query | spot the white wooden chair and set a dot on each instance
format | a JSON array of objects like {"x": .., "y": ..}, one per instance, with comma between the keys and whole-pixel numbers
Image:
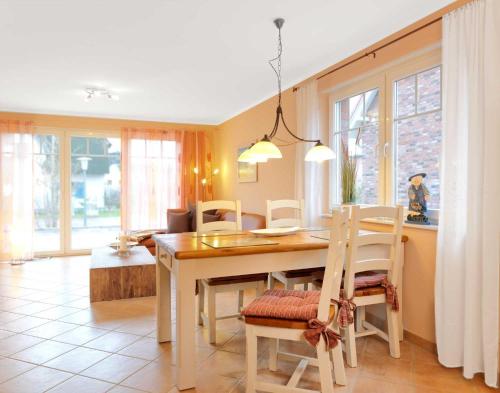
[
  {"x": 210, "y": 287},
  {"x": 293, "y": 329},
  {"x": 359, "y": 261},
  {"x": 298, "y": 205},
  {"x": 289, "y": 278},
  {"x": 208, "y": 227}
]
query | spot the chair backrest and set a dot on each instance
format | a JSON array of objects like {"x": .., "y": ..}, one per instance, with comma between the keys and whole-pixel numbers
[
  {"x": 334, "y": 266},
  {"x": 202, "y": 227},
  {"x": 298, "y": 205},
  {"x": 356, "y": 262}
]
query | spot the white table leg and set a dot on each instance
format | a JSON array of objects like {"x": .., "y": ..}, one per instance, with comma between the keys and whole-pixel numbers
[
  {"x": 185, "y": 311},
  {"x": 163, "y": 301}
]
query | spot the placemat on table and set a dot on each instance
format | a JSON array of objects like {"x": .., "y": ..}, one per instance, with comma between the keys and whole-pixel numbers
[{"x": 243, "y": 242}]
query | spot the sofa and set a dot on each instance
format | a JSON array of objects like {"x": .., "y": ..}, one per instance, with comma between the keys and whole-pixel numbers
[{"x": 249, "y": 221}]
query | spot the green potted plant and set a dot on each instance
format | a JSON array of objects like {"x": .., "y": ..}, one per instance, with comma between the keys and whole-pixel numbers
[{"x": 348, "y": 173}]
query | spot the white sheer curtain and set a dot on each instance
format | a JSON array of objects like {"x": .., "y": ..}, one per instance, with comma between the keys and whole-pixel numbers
[
  {"x": 150, "y": 177},
  {"x": 467, "y": 274},
  {"x": 162, "y": 169},
  {"x": 16, "y": 190},
  {"x": 308, "y": 175}
]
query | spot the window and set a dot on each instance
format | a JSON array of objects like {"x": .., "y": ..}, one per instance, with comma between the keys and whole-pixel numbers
[
  {"x": 357, "y": 134},
  {"x": 390, "y": 124},
  {"x": 417, "y": 132}
]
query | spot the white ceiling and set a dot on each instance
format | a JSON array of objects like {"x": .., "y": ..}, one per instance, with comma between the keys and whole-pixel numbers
[{"x": 193, "y": 61}]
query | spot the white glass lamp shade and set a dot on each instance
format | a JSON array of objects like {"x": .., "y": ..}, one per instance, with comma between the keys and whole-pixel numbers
[
  {"x": 319, "y": 153},
  {"x": 247, "y": 156},
  {"x": 265, "y": 149}
]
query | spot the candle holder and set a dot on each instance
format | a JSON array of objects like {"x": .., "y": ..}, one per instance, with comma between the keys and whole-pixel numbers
[{"x": 123, "y": 245}]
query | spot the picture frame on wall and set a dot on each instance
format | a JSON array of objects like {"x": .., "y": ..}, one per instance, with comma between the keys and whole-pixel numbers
[{"x": 247, "y": 172}]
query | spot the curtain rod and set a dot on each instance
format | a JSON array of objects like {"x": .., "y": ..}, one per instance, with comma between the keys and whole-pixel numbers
[{"x": 373, "y": 52}]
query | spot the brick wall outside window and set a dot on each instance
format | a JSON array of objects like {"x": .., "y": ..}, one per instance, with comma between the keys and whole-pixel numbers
[{"x": 417, "y": 137}]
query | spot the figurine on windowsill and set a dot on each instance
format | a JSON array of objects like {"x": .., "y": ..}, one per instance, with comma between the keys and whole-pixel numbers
[{"x": 418, "y": 195}]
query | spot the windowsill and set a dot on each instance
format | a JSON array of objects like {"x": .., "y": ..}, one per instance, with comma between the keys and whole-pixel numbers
[{"x": 431, "y": 227}]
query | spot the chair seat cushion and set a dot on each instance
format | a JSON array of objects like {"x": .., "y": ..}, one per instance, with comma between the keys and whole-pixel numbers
[
  {"x": 284, "y": 304},
  {"x": 365, "y": 284},
  {"x": 277, "y": 322},
  {"x": 361, "y": 280},
  {"x": 368, "y": 279},
  {"x": 236, "y": 279},
  {"x": 303, "y": 272},
  {"x": 284, "y": 308},
  {"x": 369, "y": 291}
]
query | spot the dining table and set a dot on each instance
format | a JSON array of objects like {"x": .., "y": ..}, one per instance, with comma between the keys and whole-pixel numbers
[{"x": 184, "y": 258}]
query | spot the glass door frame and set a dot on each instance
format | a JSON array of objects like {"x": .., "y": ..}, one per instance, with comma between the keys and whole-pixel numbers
[
  {"x": 65, "y": 224},
  {"x": 62, "y": 174}
]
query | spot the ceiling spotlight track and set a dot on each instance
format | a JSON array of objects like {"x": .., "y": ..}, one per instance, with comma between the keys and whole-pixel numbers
[
  {"x": 265, "y": 149},
  {"x": 92, "y": 92}
]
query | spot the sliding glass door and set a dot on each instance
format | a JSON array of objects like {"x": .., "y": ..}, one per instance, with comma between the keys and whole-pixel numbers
[
  {"x": 95, "y": 191},
  {"x": 77, "y": 191}
]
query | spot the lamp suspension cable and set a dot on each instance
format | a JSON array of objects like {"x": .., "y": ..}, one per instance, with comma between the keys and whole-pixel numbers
[
  {"x": 277, "y": 70},
  {"x": 264, "y": 149}
]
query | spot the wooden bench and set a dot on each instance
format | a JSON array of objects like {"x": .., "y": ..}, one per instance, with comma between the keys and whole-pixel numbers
[{"x": 114, "y": 277}]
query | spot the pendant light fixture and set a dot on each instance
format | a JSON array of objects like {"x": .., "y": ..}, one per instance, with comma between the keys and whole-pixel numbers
[
  {"x": 247, "y": 156},
  {"x": 265, "y": 149}
]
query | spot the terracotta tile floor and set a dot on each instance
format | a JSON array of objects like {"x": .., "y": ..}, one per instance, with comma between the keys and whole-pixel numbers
[{"x": 53, "y": 340}]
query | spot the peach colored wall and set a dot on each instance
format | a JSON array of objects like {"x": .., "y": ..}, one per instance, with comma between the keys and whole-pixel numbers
[
  {"x": 418, "y": 279},
  {"x": 276, "y": 177}
]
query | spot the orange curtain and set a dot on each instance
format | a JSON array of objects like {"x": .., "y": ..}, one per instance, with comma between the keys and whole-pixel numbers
[
  {"x": 159, "y": 172},
  {"x": 196, "y": 163},
  {"x": 16, "y": 190}
]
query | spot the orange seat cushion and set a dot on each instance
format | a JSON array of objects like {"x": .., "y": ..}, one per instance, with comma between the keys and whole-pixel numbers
[
  {"x": 284, "y": 304},
  {"x": 361, "y": 280},
  {"x": 378, "y": 290},
  {"x": 365, "y": 283},
  {"x": 284, "y": 308}
]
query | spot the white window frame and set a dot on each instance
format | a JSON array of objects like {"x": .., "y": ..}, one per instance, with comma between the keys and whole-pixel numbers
[
  {"x": 370, "y": 83},
  {"x": 415, "y": 66},
  {"x": 383, "y": 79}
]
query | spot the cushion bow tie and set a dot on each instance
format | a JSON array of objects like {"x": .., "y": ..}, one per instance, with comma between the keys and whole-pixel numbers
[
  {"x": 346, "y": 308},
  {"x": 318, "y": 329},
  {"x": 391, "y": 295}
]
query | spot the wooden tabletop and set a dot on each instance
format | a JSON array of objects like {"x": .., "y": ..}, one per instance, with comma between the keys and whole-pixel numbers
[{"x": 188, "y": 245}]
